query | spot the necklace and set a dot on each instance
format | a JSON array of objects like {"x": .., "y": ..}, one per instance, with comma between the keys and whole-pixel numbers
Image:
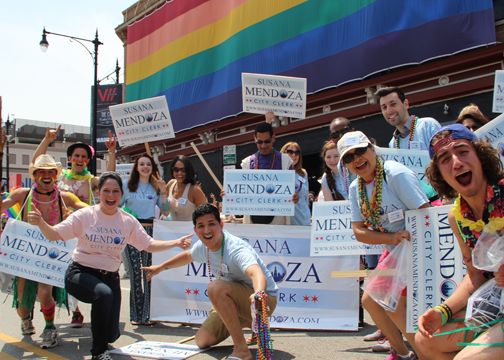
[
  {"x": 412, "y": 133},
  {"x": 261, "y": 327},
  {"x": 272, "y": 160},
  {"x": 54, "y": 211},
  {"x": 371, "y": 210},
  {"x": 85, "y": 175},
  {"x": 143, "y": 192},
  {"x": 221, "y": 258}
]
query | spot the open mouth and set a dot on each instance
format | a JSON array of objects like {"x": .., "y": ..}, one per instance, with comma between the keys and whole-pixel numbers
[
  {"x": 208, "y": 237},
  {"x": 464, "y": 178},
  {"x": 110, "y": 202},
  {"x": 361, "y": 166}
]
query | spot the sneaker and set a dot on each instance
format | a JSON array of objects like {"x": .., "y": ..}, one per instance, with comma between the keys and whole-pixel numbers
[
  {"x": 50, "y": 338},
  {"x": 377, "y": 335},
  {"x": 394, "y": 356},
  {"x": 104, "y": 356},
  {"x": 383, "y": 345},
  {"x": 27, "y": 327},
  {"x": 77, "y": 320}
]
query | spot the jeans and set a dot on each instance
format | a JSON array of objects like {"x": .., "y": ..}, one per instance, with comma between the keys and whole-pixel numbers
[
  {"x": 372, "y": 260},
  {"x": 103, "y": 292}
]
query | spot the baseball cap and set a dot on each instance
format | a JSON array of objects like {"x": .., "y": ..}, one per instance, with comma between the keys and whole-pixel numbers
[
  {"x": 352, "y": 140},
  {"x": 458, "y": 131}
]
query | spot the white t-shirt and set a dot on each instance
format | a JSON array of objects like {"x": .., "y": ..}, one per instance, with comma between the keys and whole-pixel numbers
[
  {"x": 101, "y": 238},
  {"x": 402, "y": 191}
]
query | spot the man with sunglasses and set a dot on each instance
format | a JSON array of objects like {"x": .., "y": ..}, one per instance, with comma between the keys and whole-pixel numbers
[
  {"x": 267, "y": 158},
  {"x": 379, "y": 196},
  {"x": 339, "y": 127},
  {"x": 411, "y": 132}
]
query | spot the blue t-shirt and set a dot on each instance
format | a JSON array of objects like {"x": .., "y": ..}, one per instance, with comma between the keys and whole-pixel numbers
[
  {"x": 401, "y": 190},
  {"x": 238, "y": 256},
  {"x": 340, "y": 184},
  {"x": 425, "y": 128},
  {"x": 302, "y": 213},
  {"x": 142, "y": 202}
]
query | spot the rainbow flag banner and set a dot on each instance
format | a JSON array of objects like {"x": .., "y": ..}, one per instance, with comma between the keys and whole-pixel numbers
[
  {"x": 194, "y": 51},
  {"x": 10, "y": 212}
]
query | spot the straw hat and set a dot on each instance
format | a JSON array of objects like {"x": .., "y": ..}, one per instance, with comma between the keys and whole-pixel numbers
[{"x": 45, "y": 161}]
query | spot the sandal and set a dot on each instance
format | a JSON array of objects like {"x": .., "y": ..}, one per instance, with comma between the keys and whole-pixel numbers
[
  {"x": 148, "y": 323},
  {"x": 252, "y": 340},
  {"x": 136, "y": 323}
]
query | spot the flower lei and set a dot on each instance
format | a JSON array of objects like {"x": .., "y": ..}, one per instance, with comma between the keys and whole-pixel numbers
[
  {"x": 412, "y": 132},
  {"x": 261, "y": 327},
  {"x": 54, "y": 212},
  {"x": 85, "y": 175},
  {"x": 494, "y": 223},
  {"x": 371, "y": 212}
]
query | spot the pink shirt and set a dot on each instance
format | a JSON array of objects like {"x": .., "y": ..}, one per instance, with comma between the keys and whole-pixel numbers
[{"x": 102, "y": 238}]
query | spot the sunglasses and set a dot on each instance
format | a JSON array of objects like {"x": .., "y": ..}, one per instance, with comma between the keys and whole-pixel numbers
[
  {"x": 177, "y": 169},
  {"x": 293, "y": 152},
  {"x": 474, "y": 127},
  {"x": 267, "y": 141},
  {"x": 337, "y": 134},
  {"x": 348, "y": 158}
]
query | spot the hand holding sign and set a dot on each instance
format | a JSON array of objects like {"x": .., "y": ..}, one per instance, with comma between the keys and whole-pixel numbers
[
  {"x": 34, "y": 216},
  {"x": 111, "y": 142}
]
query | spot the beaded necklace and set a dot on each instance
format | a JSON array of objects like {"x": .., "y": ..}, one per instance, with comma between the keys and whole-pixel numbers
[
  {"x": 371, "y": 211},
  {"x": 221, "y": 258},
  {"x": 85, "y": 175},
  {"x": 54, "y": 212},
  {"x": 412, "y": 133},
  {"x": 261, "y": 327},
  {"x": 272, "y": 160}
]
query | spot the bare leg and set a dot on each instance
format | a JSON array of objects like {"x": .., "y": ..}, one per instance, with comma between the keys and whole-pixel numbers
[
  {"x": 492, "y": 336},
  {"x": 22, "y": 312},
  {"x": 385, "y": 324}
]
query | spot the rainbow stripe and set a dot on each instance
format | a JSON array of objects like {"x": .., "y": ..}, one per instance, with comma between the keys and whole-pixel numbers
[
  {"x": 194, "y": 51},
  {"x": 11, "y": 212}
]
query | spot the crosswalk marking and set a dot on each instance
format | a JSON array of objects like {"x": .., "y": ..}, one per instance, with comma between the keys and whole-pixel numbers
[{"x": 28, "y": 347}]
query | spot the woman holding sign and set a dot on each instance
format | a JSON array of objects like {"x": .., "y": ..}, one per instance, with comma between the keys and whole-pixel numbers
[
  {"x": 379, "y": 197},
  {"x": 184, "y": 195},
  {"x": 102, "y": 233},
  {"x": 302, "y": 213},
  {"x": 142, "y": 192}
]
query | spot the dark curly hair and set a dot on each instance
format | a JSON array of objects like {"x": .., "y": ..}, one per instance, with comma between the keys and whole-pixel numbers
[{"x": 488, "y": 156}]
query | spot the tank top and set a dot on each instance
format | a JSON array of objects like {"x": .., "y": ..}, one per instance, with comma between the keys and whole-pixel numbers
[{"x": 181, "y": 210}]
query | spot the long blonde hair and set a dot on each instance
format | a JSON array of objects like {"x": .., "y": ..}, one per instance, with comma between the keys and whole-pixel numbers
[{"x": 299, "y": 166}]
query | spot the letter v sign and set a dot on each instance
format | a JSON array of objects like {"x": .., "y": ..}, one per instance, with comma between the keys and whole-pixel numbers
[
  {"x": 110, "y": 92},
  {"x": 103, "y": 96}
]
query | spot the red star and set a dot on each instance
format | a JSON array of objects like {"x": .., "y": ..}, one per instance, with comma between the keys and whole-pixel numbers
[
  {"x": 290, "y": 200},
  {"x": 188, "y": 291},
  {"x": 196, "y": 292},
  {"x": 426, "y": 217},
  {"x": 314, "y": 298},
  {"x": 300, "y": 105},
  {"x": 306, "y": 298},
  {"x": 232, "y": 199},
  {"x": 427, "y": 223}
]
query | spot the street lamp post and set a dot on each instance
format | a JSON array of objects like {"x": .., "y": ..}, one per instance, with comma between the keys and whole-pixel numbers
[
  {"x": 44, "y": 45},
  {"x": 8, "y": 124}
]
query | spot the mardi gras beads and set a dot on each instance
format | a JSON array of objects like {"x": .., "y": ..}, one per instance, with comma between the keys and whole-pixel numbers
[
  {"x": 371, "y": 210},
  {"x": 412, "y": 132},
  {"x": 221, "y": 258},
  {"x": 261, "y": 327}
]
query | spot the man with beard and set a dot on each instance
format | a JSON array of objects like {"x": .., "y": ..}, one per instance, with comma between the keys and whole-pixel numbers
[{"x": 53, "y": 205}]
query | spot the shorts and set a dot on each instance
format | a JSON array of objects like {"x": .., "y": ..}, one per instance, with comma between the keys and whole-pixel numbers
[
  {"x": 382, "y": 258},
  {"x": 241, "y": 297}
]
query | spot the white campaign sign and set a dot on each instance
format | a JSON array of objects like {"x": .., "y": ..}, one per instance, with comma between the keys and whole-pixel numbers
[
  {"x": 308, "y": 298},
  {"x": 124, "y": 170},
  {"x": 284, "y": 95},
  {"x": 437, "y": 265},
  {"x": 159, "y": 350},
  {"x": 26, "y": 253},
  {"x": 332, "y": 233},
  {"x": 259, "y": 192},
  {"x": 494, "y": 133},
  {"x": 142, "y": 121},
  {"x": 498, "y": 94},
  {"x": 415, "y": 160}
]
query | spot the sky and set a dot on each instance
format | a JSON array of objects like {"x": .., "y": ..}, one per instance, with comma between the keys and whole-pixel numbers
[{"x": 55, "y": 86}]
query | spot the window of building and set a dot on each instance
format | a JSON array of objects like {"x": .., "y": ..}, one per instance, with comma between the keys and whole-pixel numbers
[
  {"x": 26, "y": 159},
  {"x": 12, "y": 159},
  {"x": 98, "y": 165}
]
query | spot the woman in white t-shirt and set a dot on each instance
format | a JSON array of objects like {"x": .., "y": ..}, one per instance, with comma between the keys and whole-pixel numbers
[{"x": 102, "y": 233}]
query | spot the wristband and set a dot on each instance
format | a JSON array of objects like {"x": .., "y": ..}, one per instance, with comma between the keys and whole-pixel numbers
[
  {"x": 448, "y": 310},
  {"x": 443, "y": 314},
  {"x": 112, "y": 153}
]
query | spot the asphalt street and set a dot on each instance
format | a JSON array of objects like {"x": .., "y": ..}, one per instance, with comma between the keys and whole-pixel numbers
[{"x": 76, "y": 343}]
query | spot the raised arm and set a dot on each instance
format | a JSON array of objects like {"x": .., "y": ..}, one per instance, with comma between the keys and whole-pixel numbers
[
  {"x": 178, "y": 260},
  {"x": 46, "y": 141},
  {"x": 158, "y": 245},
  {"x": 111, "y": 146}
]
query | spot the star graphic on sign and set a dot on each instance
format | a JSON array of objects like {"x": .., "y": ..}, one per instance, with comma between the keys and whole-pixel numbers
[
  {"x": 188, "y": 291},
  {"x": 196, "y": 292},
  {"x": 427, "y": 224},
  {"x": 306, "y": 298},
  {"x": 427, "y": 217},
  {"x": 314, "y": 298}
]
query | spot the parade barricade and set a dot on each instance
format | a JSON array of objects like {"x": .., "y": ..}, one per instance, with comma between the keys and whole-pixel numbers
[{"x": 308, "y": 298}]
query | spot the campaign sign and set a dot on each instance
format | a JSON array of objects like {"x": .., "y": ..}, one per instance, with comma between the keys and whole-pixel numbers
[
  {"x": 142, "y": 121},
  {"x": 284, "y": 95},
  {"x": 308, "y": 297},
  {"x": 415, "y": 160},
  {"x": 158, "y": 350},
  {"x": 332, "y": 233},
  {"x": 494, "y": 133},
  {"x": 498, "y": 94},
  {"x": 437, "y": 264},
  {"x": 259, "y": 192},
  {"x": 124, "y": 170},
  {"x": 26, "y": 253}
]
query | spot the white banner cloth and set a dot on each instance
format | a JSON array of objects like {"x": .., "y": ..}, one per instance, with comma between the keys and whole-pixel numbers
[
  {"x": 308, "y": 298},
  {"x": 26, "y": 253},
  {"x": 259, "y": 192},
  {"x": 284, "y": 95},
  {"x": 437, "y": 265},
  {"x": 332, "y": 233}
]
